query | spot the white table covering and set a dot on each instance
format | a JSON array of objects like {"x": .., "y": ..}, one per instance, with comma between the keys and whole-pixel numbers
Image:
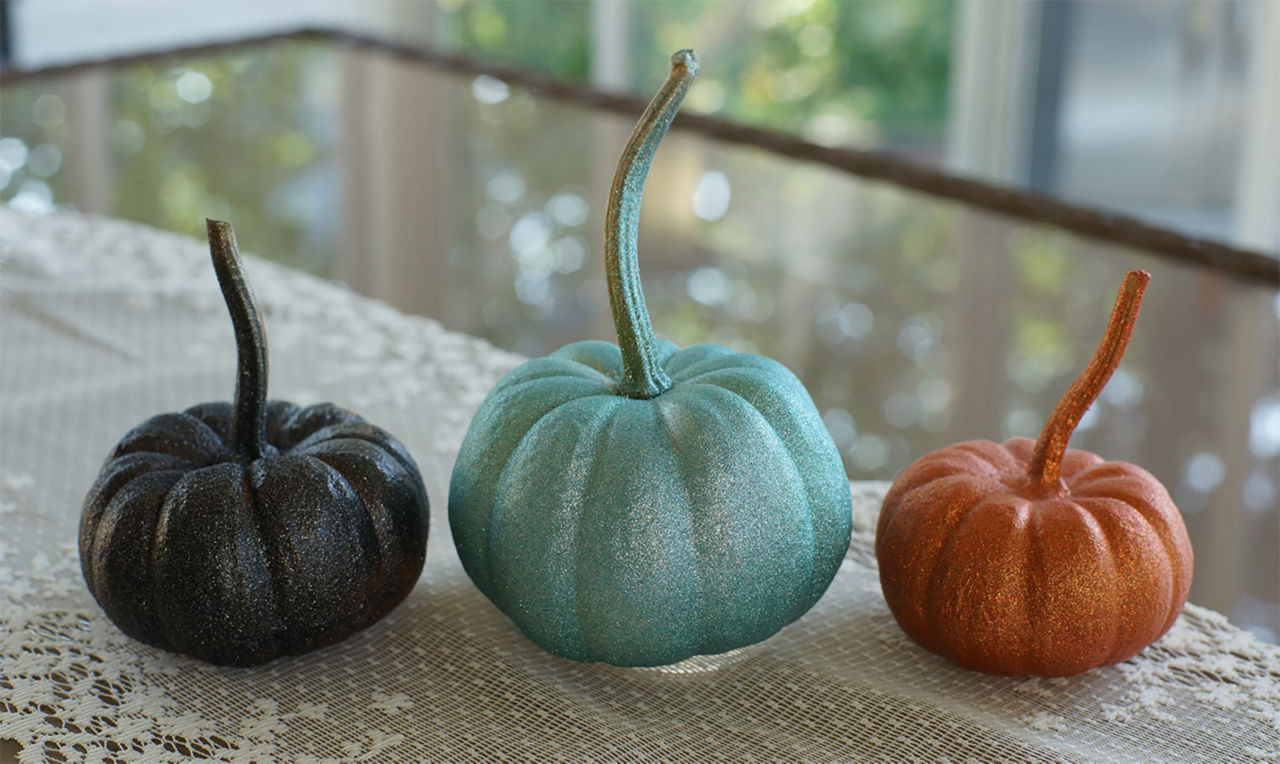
[{"x": 105, "y": 323}]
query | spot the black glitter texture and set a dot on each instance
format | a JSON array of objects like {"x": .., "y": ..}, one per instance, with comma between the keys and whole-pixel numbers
[{"x": 238, "y": 533}]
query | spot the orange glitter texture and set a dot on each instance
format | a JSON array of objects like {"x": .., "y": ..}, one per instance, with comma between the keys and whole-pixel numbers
[{"x": 1025, "y": 558}]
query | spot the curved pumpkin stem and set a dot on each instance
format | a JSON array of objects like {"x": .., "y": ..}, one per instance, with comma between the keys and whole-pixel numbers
[
  {"x": 249, "y": 411},
  {"x": 642, "y": 374},
  {"x": 1046, "y": 459}
]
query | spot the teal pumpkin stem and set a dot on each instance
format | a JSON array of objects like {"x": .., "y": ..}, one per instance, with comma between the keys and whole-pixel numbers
[
  {"x": 642, "y": 373},
  {"x": 249, "y": 411}
]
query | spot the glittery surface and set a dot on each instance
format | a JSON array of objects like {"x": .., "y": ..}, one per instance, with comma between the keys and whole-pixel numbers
[
  {"x": 236, "y": 534},
  {"x": 638, "y": 504},
  {"x": 642, "y": 532},
  {"x": 1046, "y": 461},
  {"x": 642, "y": 375},
  {"x": 1026, "y": 558}
]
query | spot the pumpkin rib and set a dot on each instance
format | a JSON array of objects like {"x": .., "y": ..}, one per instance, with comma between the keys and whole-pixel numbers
[
  {"x": 269, "y": 559},
  {"x": 1165, "y": 533},
  {"x": 1095, "y": 505},
  {"x": 1157, "y": 518},
  {"x": 178, "y": 434},
  {"x": 157, "y": 547},
  {"x": 174, "y": 633},
  {"x": 1105, "y": 575},
  {"x": 363, "y": 432},
  {"x": 689, "y": 374},
  {"x": 116, "y": 476},
  {"x": 559, "y": 367},
  {"x": 524, "y": 436},
  {"x": 132, "y": 498},
  {"x": 914, "y": 487},
  {"x": 1111, "y": 567},
  {"x": 497, "y": 582},
  {"x": 511, "y": 389},
  {"x": 807, "y": 510},
  {"x": 277, "y": 518},
  {"x": 722, "y": 410},
  {"x": 558, "y": 406},
  {"x": 598, "y": 440},
  {"x": 548, "y": 368},
  {"x": 938, "y": 572},
  {"x": 283, "y": 422},
  {"x": 905, "y": 523},
  {"x": 997, "y": 459},
  {"x": 664, "y": 425},
  {"x": 462, "y": 512},
  {"x": 379, "y": 532},
  {"x": 679, "y": 363},
  {"x": 1036, "y": 580},
  {"x": 606, "y": 529},
  {"x": 588, "y": 354},
  {"x": 781, "y": 399}
]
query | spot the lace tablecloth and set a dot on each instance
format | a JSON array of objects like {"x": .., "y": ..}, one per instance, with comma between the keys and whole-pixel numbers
[{"x": 105, "y": 323}]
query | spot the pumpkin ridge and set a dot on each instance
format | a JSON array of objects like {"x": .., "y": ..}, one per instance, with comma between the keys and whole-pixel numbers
[
  {"x": 144, "y": 432},
  {"x": 268, "y": 551},
  {"x": 557, "y": 370},
  {"x": 1114, "y": 621},
  {"x": 678, "y": 364},
  {"x": 689, "y": 374},
  {"x": 510, "y": 389},
  {"x": 1034, "y": 576},
  {"x": 365, "y": 433},
  {"x": 979, "y": 449},
  {"x": 159, "y": 534},
  {"x": 806, "y": 493},
  {"x": 917, "y": 487},
  {"x": 680, "y": 472},
  {"x": 160, "y": 543},
  {"x": 523, "y": 436},
  {"x": 461, "y": 508},
  {"x": 1120, "y": 645},
  {"x": 98, "y": 531},
  {"x": 1163, "y": 531},
  {"x": 499, "y": 512},
  {"x": 186, "y": 466},
  {"x": 599, "y": 440},
  {"x": 604, "y": 375},
  {"x": 937, "y": 574},
  {"x": 375, "y": 600},
  {"x": 102, "y": 493},
  {"x": 577, "y": 354}
]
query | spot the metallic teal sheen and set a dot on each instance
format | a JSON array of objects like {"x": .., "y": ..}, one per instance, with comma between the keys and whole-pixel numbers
[
  {"x": 639, "y": 504},
  {"x": 642, "y": 532},
  {"x": 642, "y": 375}
]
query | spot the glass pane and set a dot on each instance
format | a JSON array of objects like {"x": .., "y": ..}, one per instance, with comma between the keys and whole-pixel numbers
[{"x": 914, "y": 322}]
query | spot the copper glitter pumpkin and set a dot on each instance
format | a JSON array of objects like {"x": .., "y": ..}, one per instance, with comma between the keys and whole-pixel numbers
[{"x": 1026, "y": 558}]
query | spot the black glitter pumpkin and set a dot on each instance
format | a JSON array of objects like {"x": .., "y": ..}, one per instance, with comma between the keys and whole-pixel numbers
[{"x": 240, "y": 533}]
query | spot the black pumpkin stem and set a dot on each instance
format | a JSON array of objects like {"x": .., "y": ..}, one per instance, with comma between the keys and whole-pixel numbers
[{"x": 249, "y": 412}]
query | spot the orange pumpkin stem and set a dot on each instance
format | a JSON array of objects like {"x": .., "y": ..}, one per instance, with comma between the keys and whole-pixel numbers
[{"x": 1046, "y": 460}]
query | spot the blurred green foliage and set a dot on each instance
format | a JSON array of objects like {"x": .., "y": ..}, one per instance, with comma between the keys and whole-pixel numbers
[
  {"x": 193, "y": 141},
  {"x": 873, "y": 72},
  {"x": 247, "y": 144}
]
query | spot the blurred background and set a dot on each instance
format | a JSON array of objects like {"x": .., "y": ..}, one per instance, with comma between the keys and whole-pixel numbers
[{"x": 914, "y": 322}]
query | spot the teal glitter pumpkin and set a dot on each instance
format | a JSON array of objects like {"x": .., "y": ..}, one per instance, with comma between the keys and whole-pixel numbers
[{"x": 639, "y": 504}]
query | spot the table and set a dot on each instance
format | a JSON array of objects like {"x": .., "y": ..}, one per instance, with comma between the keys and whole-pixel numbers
[
  {"x": 103, "y": 323},
  {"x": 916, "y": 320}
]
